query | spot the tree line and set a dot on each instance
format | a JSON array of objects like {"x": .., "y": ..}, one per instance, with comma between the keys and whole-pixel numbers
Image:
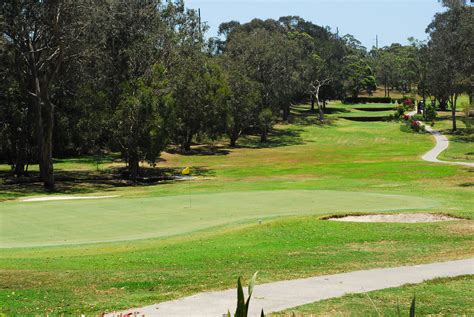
[{"x": 86, "y": 77}]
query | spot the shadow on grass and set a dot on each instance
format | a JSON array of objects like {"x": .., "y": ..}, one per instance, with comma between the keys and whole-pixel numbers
[
  {"x": 201, "y": 150},
  {"x": 367, "y": 119},
  {"x": 276, "y": 138},
  {"x": 85, "y": 182},
  {"x": 89, "y": 159},
  {"x": 303, "y": 115}
]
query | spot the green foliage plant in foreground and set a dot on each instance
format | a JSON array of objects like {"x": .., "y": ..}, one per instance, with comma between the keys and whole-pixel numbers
[{"x": 242, "y": 309}]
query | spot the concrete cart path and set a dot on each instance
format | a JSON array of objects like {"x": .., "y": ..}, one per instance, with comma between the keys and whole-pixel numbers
[
  {"x": 442, "y": 143},
  {"x": 273, "y": 297}
]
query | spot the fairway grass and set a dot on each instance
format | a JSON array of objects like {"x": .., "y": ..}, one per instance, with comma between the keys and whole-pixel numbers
[
  {"x": 304, "y": 172},
  {"x": 27, "y": 224}
]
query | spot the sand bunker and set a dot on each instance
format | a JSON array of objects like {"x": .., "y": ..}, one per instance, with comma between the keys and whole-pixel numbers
[
  {"x": 403, "y": 218},
  {"x": 54, "y": 198}
]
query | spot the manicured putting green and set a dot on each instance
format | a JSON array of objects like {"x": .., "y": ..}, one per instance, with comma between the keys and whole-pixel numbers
[{"x": 28, "y": 224}]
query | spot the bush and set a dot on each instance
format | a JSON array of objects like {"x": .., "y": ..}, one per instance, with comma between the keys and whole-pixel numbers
[
  {"x": 356, "y": 100},
  {"x": 430, "y": 113},
  {"x": 400, "y": 111},
  {"x": 468, "y": 116},
  {"x": 408, "y": 102},
  {"x": 414, "y": 123}
]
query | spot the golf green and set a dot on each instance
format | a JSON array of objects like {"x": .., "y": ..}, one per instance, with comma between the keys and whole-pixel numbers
[{"x": 29, "y": 224}]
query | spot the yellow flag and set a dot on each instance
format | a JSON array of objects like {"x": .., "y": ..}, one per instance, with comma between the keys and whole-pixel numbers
[{"x": 186, "y": 171}]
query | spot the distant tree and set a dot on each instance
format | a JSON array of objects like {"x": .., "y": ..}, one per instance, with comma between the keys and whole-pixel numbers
[
  {"x": 453, "y": 3},
  {"x": 141, "y": 118},
  {"x": 318, "y": 76},
  {"x": 241, "y": 106},
  {"x": 270, "y": 59},
  {"x": 359, "y": 75},
  {"x": 198, "y": 92}
]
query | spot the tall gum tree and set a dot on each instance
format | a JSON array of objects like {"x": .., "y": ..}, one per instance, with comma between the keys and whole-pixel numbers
[
  {"x": 44, "y": 34},
  {"x": 450, "y": 52}
]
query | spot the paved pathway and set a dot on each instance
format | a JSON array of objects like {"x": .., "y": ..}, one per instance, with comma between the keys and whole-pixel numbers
[
  {"x": 282, "y": 295},
  {"x": 442, "y": 143}
]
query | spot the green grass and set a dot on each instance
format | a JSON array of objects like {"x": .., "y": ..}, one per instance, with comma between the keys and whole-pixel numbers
[
  {"x": 359, "y": 113},
  {"x": 337, "y": 162},
  {"x": 440, "y": 297},
  {"x": 366, "y": 106},
  {"x": 461, "y": 146},
  {"x": 27, "y": 224},
  {"x": 94, "y": 278}
]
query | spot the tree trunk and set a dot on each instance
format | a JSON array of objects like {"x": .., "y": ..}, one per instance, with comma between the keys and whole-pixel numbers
[
  {"x": 44, "y": 125},
  {"x": 133, "y": 166},
  {"x": 44, "y": 137},
  {"x": 21, "y": 156},
  {"x": 186, "y": 146},
  {"x": 453, "y": 112},
  {"x": 264, "y": 135},
  {"x": 234, "y": 136},
  {"x": 19, "y": 167},
  {"x": 286, "y": 112},
  {"x": 47, "y": 150},
  {"x": 320, "y": 109},
  {"x": 312, "y": 103}
]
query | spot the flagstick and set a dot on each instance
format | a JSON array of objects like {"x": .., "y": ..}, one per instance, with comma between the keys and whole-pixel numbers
[{"x": 189, "y": 190}]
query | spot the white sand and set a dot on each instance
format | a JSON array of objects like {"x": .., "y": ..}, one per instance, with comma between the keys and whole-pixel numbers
[
  {"x": 54, "y": 198},
  {"x": 403, "y": 218}
]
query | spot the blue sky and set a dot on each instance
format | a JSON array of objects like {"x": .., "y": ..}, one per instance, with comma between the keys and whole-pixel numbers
[{"x": 392, "y": 20}]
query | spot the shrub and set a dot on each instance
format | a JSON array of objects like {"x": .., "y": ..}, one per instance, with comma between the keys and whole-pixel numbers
[
  {"x": 408, "y": 102},
  {"x": 430, "y": 113},
  {"x": 400, "y": 111},
  {"x": 414, "y": 124},
  {"x": 469, "y": 116}
]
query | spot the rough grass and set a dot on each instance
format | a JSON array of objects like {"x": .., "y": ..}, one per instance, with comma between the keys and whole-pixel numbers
[{"x": 440, "y": 297}]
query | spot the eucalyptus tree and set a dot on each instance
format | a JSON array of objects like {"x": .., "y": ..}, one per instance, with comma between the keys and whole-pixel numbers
[
  {"x": 136, "y": 42},
  {"x": 359, "y": 75},
  {"x": 450, "y": 51},
  {"x": 45, "y": 36},
  {"x": 16, "y": 142},
  {"x": 242, "y": 100},
  {"x": 319, "y": 75},
  {"x": 271, "y": 57},
  {"x": 198, "y": 99},
  {"x": 195, "y": 81},
  {"x": 142, "y": 119}
]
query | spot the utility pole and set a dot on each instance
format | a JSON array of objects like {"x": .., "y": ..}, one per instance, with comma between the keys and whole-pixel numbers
[
  {"x": 376, "y": 41},
  {"x": 337, "y": 32},
  {"x": 199, "y": 15}
]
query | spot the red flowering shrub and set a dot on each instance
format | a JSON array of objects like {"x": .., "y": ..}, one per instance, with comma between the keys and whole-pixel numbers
[{"x": 415, "y": 125}]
